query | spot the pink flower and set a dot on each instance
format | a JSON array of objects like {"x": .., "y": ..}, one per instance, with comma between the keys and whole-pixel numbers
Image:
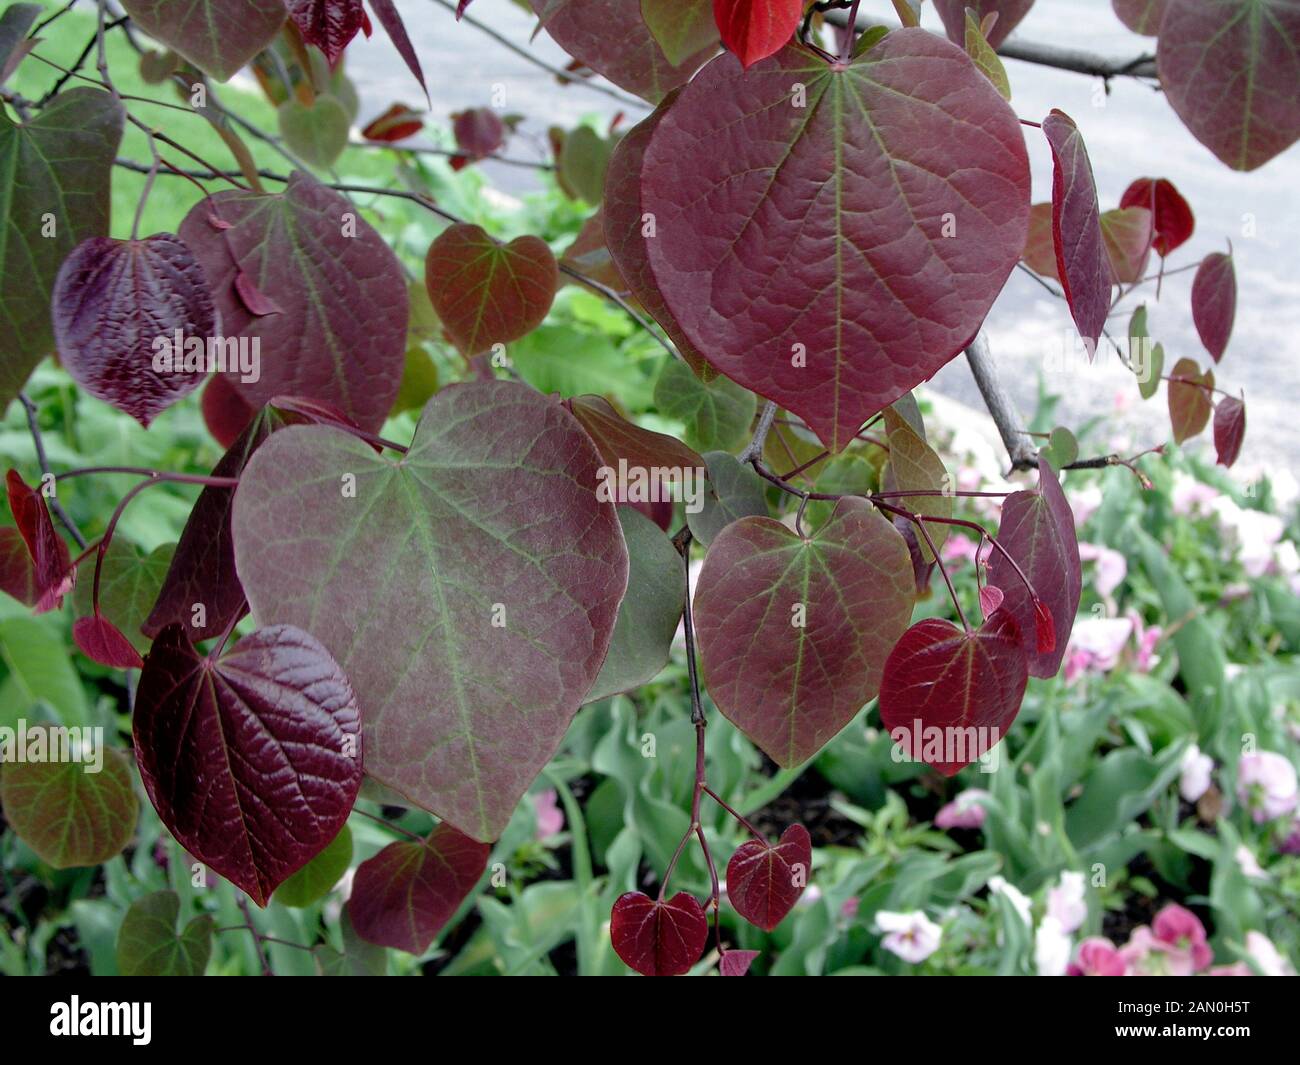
[
  {"x": 959, "y": 549},
  {"x": 1112, "y": 567},
  {"x": 550, "y": 819},
  {"x": 1095, "y": 645},
  {"x": 1291, "y": 844},
  {"x": 849, "y": 907},
  {"x": 1147, "y": 639},
  {"x": 1266, "y": 785},
  {"x": 1184, "y": 937},
  {"x": 1066, "y": 901},
  {"x": 1097, "y": 957},
  {"x": 1084, "y": 503},
  {"x": 1190, "y": 497},
  {"x": 965, "y": 811},
  {"x": 1196, "y": 769},
  {"x": 912, "y": 936}
]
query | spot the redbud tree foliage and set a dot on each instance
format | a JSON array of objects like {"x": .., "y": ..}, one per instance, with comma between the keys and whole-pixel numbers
[{"x": 816, "y": 216}]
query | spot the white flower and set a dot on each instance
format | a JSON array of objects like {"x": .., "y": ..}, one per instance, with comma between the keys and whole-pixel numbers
[
  {"x": 1266, "y": 785},
  {"x": 1018, "y": 899},
  {"x": 1066, "y": 903},
  {"x": 912, "y": 936},
  {"x": 1052, "y": 948},
  {"x": 1196, "y": 768},
  {"x": 1112, "y": 567},
  {"x": 1266, "y": 956},
  {"x": 1254, "y": 532},
  {"x": 1248, "y": 864}
]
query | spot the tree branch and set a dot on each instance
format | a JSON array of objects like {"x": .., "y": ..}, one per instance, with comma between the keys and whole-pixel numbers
[{"x": 1006, "y": 416}]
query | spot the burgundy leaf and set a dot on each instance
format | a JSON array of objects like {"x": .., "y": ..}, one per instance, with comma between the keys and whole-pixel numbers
[
  {"x": 1141, "y": 16},
  {"x": 121, "y": 306},
  {"x": 1229, "y": 429},
  {"x": 386, "y": 12},
  {"x": 1009, "y": 12},
  {"x": 619, "y": 440},
  {"x": 1189, "y": 399},
  {"x": 1173, "y": 218},
  {"x": 756, "y": 29},
  {"x": 225, "y": 412},
  {"x": 461, "y": 5},
  {"x": 1214, "y": 302},
  {"x": 328, "y": 24},
  {"x": 793, "y": 632},
  {"x": 1126, "y": 233},
  {"x": 990, "y": 599},
  {"x": 52, "y": 570},
  {"x": 1081, "y": 261},
  {"x": 736, "y": 962},
  {"x": 405, "y": 894},
  {"x": 253, "y": 759},
  {"x": 341, "y": 336},
  {"x": 479, "y": 131},
  {"x": 658, "y": 938},
  {"x": 1037, "y": 530},
  {"x": 611, "y": 38},
  {"x": 683, "y": 27},
  {"x": 764, "y": 881},
  {"x": 1230, "y": 69},
  {"x": 949, "y": 696},
  {"x": 101, "y": 641},
  {"x": 255, "y": 301},
  {"x": 217, "y": 36},
  {"x": 395, "y": 124},
  {"x": 17, "y": 571},
  {"x": 800, "y": 259}
]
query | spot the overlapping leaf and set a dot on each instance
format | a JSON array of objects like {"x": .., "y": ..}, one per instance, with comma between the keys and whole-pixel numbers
[
  {"x": 149, "y": 945},
  {"x": 389, "y": 17},
  {"x": 316, "y": 132},
  {"x": 764, "y": 881},
  {"x": 853, "y": 236},
  {"x": 1229, "y": 429},
  {"x": 402, "y": 897},
  {"x": 682, "y": 28},
  {"x": 68, "y": 815},
  {"x": 328, "y": 24},
  {"x": 1172, "y": 218},
  {"x": 58, "y": 165},
  {"x": 1009, "y": 12},
  {"x": 317, "y": 878},
  {"x": 733, "y": 492},
  {"x": 1040, "y": 248},
  {"x": 1214, "y": 302},
  {"x": 917, "y": 467},
  {"x": 1141, "y": 16},
  {"x": 755, "y": 29},
  {"x": 469, "y": 590},
  {"x": 1230, "y": 68},
  {"x": 253, "y": 759},
  {"x": 217, "y": 36},
  {"x": 1126, "y": 234},
  {"x": 52, "y": 573},
  {"x": 340, "y": 334},
  {"x": 619, "y": 440},
  {"x": 658, "y": 937},
  {"x": 793, "y": 632},
  {"x": 1190, "y": 399},
  {"x": 716, "y": 413}
]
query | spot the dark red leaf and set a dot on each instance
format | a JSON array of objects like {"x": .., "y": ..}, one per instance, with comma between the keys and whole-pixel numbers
[
  {"x": 17, "y": 571},
  {"x": 736, "y": 962},
  {"x": 658, "y": 938},
  {"x": 51, "y": 565},
  {"x": 217, "y": 36},
  {"x": 618, "y": 439},
  {"x": 255, "y": 301},
  {"x": 1229, "y": 429},
  {"x": 341, "y": 336},
  {"x": 1009, "y": 12},
  {"x": 1189, "y": 399},
  {"x": 395, "y": 124},
  {"x": 1141, "y": 16},
  {"x": 461, "y": 5},
  {"x": 252, "y": 760},
  {"x": 1214, "y": 302},
  {"x": 764, "y": 881},
  {"x": 1037, "y": 530},
  {"x": 225, "y": 412},
  {"x": 120, "y": 307},
  {"x": 386, "y": 12},
  {"x": 1173, "y": 218},
  {"x": 990, "y": 599},
  {"x": 328, "y": 24},
  {"x": 948, "y": 696},
  {"x": 405, "y": 894},
  {"x": 882, "y": 279},
  {"x": 793, "y": 632},
  {"x": 1230, "y": 69},
  {"x": 101, "y": 641},
  {"x": 479, "y": 131},
  {"x": 1081, "y": 261},
  {"x": 756, "y": 29},
  {"x": 1040, "y": 247}
]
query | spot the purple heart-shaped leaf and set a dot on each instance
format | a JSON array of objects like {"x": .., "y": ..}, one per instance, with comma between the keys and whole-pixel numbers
[
  {"x": 765, "y": 881},
  {"x": 657, "y": 937},
  {"x": 736, "y": 962},
  {"x": 101, "y": 641},
  {"x": 1229, "y": 429},
  {"x": 1214, "y": 302},
  {"x": 52, "y": 572}
]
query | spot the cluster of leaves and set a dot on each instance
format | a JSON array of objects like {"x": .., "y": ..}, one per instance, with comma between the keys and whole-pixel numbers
[{"x": 438, "y": 618}]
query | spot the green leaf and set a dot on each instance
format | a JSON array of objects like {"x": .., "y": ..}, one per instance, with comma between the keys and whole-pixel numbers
[
  {"x": 682, "y": 28},
  {"x": 1062, "y": 448},
  {"x": 357, "y": 958},
  {"x": 584, "y": 158},
  {"x": 317, "y": 878},
  {"x": 148, "y": 944},
  {"x": 70, "y": 813},
  {"x": 717, "y": 415},
  {"x": 984, "y": 57},
  {"x": 316, "y": 132},
  {"x": 916, "y": 466},
  {"x": 41, "y": 671},
  {"x": 733, "y": 492},
  {"x": 129, "y": 583}
]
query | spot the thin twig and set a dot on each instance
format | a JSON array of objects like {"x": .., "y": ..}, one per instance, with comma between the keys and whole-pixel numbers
[{"x": 35, "y": 429}]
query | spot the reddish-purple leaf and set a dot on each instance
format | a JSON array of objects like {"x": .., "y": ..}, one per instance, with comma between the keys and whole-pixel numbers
[
  {"x": 1230, "y": 69},
  {"x": 1040, "y": 248},
  {"x": 611, "y": 38},
  {"x": 127, "y": 314},
  {"x": 1081, "y": 262},
  {"x": 657, "y": 937},
  {"x": 253, "y": 759},
  {"x": 619, "y": 440},
  {"x": 1126, "y": 233},
  {"x": 217, "y": 36},
  {"x": 255, "y": 301},
  {"x": 101, "y": 641},
  {"x": 765, "y": 881},
  {"x": 1009, "y": 13},
  {"x": 386, "y": 12},
  {"x": 395, "y": 124},
  {"x": 1037, "y": 530},
  {"x": 328, "y": 24},
  {"x": 1190, "y": 399},
  {"x": 793, "y": 632},
  {"x": 225, "y": 412},
  {"x": 51, "y": 565},
  {"x": 479, "y": 131},
  {"x": 736, "y": 962},
  {"x": 460, "y": 8},
  {"x": 1214, "y": 302},
  {"x": 948, "y": 696},
  {"x": 469, "y": 588},
  {"x": 755, "y": 29},
  {"x": 990, "y": 599},
  {"x": 1229, "y": 429},
  {"x": 626, "y": 227},
  {"x": 405, "y": 894},
  {"x": 1141, "y": 16},
  {"x": 487, "y": 292},
  {"x": 17, "y": 571},
  {"x": 852, "y": 237},
  {"x": 1173, "y": 218},
  {"x": 341, "y": 333}
]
